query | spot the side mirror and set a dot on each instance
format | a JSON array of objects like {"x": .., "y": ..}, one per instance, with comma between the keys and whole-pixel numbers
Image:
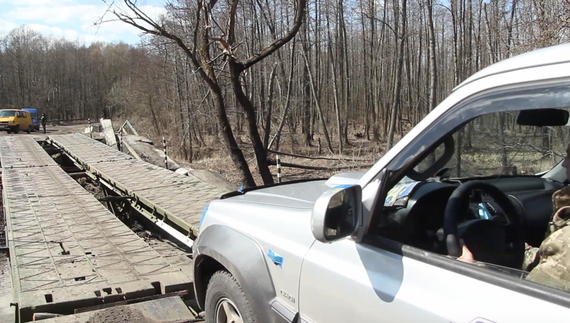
[{"x": 337, "y": 213}]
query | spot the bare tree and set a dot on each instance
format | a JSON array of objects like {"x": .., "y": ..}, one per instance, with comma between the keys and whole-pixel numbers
[
  {"x": 238, "y": 66},
  {"x": 400, "y": 32},
  {"x": 200, "y": 52}
]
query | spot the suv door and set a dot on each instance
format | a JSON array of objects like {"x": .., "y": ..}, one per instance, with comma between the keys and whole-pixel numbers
[{"x": 344, "y": 281}]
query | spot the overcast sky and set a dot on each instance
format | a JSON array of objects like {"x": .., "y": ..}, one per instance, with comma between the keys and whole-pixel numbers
[{"x": 72, "y": 19}]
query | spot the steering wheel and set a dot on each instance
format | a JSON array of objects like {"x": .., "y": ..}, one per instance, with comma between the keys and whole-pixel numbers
[{"x": 489, "y": 241}]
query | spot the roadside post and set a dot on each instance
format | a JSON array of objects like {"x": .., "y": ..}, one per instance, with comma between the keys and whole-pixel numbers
[
  {"x": 165, "y": 156},
  {"x": 278, "y": 168}
]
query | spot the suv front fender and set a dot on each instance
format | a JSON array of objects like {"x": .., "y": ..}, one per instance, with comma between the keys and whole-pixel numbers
[{"x": 219, "y": 247}]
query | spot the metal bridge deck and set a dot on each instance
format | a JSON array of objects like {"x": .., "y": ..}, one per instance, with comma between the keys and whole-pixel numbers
[
  {"x": 163, "y": 194},
  {"x": 65, "y": 246}
]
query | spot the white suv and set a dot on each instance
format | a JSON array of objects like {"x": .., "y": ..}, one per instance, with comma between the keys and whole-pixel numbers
[{"x": 381, "y": 245}]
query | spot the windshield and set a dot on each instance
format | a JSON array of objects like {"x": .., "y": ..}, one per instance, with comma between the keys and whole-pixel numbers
[
  {"x": 492, "y": 146},
  {"x": 7, "y": 113},
  {"x": 495, "y": 145}
]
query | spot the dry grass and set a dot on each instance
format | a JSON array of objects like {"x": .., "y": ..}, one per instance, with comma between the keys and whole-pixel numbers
[
  {"x": 484, "y": 158},
  {"x": 358, "y": 155}
]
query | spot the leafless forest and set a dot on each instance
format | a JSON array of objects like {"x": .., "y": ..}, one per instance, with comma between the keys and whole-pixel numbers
[{"x": 254, "y": 76}]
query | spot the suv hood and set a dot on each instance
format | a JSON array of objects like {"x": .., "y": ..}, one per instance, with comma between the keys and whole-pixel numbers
[{"x": 297, "y": 195}]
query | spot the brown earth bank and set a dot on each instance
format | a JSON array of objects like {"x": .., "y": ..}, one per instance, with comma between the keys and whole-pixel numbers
[{"x": 308, "y": 162}]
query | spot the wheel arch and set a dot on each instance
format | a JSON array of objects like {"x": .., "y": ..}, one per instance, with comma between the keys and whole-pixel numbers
[{"x": 222, "y": 248}]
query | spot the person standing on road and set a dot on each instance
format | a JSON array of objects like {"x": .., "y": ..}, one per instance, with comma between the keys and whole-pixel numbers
[{"x": 43, "y": 121}]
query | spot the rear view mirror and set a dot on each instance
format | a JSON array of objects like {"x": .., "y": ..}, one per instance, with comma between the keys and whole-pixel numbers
[
  {"x": 336, "y": 213},
  {"x": 543, "y": 117}
]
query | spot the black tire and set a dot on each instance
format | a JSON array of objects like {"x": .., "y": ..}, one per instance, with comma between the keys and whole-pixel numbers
[
  {"x": 8, "y": 131},
  {"x": 17, "y": 128},
  {"x": 224, "y": 292},
  {"x": 29, "y": 129}
]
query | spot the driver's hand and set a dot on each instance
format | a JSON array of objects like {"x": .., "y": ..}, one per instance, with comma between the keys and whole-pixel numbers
[{"x": 466, "y": 255}]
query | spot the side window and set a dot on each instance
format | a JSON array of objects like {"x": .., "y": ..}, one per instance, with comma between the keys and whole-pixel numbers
[
  {"x": 513, "y": 142},
  {"x": 494, "y": 144},
  {"x": 490, "y": 146}
]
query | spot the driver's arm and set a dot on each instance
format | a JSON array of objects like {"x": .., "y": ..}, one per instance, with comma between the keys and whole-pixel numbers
[
  {"x": 560, "y": 219},
  {"x": 553, "y": 268},
  {"x": 466, "y": 254},
  {"x": 531, "y": 258}
]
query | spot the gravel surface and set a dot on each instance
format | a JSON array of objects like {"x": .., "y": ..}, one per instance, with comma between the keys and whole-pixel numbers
[
  {"x": 119, "y": 314},
  {"x": 6, "y": 312},
  {"x": 2, "y": 225}
]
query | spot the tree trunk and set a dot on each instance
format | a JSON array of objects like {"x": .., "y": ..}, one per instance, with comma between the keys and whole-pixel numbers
[
  {"x": 319, "y": 109},
  {"x": 250, "y": 117},
  {"x": 334, "y": 88},
  {"x": 285, "y": 115},
  {"x": 398, "y": 78},
  {"x": 269, "y": 109}
]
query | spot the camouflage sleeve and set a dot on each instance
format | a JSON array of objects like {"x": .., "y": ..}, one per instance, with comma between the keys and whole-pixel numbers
[
  {"x": 553, "y": 268},
  {"x": 560, "y": 219},
  {"x": 531, "y": 258}
]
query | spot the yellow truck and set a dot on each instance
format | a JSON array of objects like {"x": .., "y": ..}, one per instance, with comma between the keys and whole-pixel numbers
[{"x": 14, "y": 120}]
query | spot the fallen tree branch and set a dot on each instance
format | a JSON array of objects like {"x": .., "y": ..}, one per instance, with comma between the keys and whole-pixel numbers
[
  {"x": 273, "y": 162},
  {"x": 314, "y": 158}
]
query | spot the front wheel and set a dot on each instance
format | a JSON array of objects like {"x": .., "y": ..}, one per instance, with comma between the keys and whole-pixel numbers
[
  {"x": 226, "y": 301},
  {"x": 29, "y": 129},
  {"x": 17, "y": 128}
]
